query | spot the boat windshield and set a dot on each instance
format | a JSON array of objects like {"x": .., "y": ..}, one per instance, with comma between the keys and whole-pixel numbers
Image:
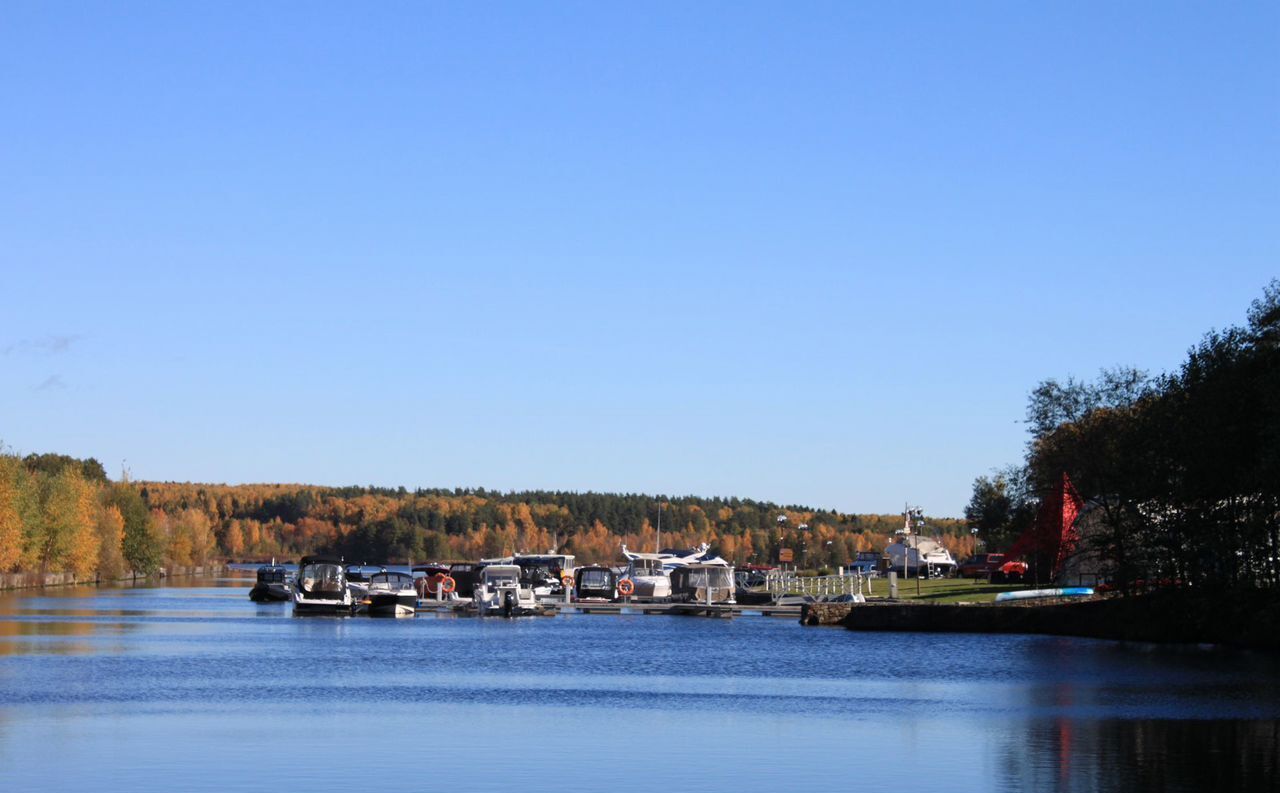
[
  {"x": 647, "y": 566},
  {"x": 392, "y": 579},
  {"x": 503, "y": 577},
  {"x": 321, "y": 578},
  {"x": 596, "y": 579},
  {"x": 536, "y": 571}
]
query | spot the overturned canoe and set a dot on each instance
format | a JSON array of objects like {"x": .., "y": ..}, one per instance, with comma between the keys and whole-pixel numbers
[{"x": 1033, "y": 594}]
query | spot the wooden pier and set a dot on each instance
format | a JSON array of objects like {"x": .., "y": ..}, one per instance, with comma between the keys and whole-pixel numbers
[
  {"x": 690, "y": 609},
  {"x": 631, "y": 608}
]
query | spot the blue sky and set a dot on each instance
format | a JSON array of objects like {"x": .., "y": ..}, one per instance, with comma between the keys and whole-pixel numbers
[{"x": 815, "y": 253}]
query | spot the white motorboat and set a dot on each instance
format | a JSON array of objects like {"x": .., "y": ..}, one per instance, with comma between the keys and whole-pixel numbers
[
  {"x": 545, "y": 573},
  {"x": 358, "y": 579},
  {"x": 651, "y": 572},
  {"x": 648, "y": 575},
  {"x": 499, "y": 591},
  {"x": 391, "y": 594},
  {"x": 910, "y": 554},
  {"x": 321, "y": 587}
]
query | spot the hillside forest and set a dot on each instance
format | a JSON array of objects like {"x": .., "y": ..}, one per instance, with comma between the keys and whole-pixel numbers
[{"x": 58, "y": 513}]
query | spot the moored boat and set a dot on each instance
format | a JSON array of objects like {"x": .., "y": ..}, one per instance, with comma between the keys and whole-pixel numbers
[
  {"x": 433, "y": 582},
  {"x": 648, "y": 575},
  {"x": 391, "y": 594},
  {"x": 321, "y": 587},
  {"x": 595, "y": 583},
  {"x": 358, "y": 578},
  {"x": 500, "y": 592},
  {"x": 703, "y": 583},
  {"x": 274, "y": 584},
  {"x": 545, "y": 574},
  {"x": 465, "y": 576}
]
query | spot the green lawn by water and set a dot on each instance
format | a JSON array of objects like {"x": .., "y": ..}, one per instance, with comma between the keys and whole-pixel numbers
[{"x": 944, "y": 590}]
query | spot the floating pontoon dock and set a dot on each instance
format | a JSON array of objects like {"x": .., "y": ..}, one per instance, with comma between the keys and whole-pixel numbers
[{"x": 692, "y": 609}]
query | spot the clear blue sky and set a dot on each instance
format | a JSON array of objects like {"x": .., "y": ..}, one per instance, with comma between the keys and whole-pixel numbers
[{"x": 815, "y": 253}]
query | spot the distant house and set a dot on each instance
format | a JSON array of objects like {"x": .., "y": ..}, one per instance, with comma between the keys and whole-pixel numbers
[{"x": 1085, "y": 564}]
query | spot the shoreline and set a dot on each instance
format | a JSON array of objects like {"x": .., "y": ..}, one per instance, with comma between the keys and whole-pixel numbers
[
  {"x": 28, "y": 580},
  {"x": 1247, "y": 619}
]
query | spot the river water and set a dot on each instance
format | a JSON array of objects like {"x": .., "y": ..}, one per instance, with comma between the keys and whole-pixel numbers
[{"x": 190, "y": 686}]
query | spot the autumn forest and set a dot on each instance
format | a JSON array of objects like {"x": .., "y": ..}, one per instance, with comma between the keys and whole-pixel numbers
[{"x": 58, "y": 513}]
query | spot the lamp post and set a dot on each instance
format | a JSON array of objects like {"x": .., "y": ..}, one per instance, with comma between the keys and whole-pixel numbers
[
  {"x": 914, "y": 520},
  {"x": 657, "y": 538},
  {"x": 782, "y": 524}
]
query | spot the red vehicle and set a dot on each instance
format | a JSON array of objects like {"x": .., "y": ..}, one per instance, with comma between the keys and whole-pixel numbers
[
  {"x": 1010, "y": 571},
  {"x": 982, "y": 565}
]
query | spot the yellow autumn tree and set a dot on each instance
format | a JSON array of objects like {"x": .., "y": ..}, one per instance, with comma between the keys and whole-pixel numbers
[
  {"x": 746, "y": 548},
  {"x": 729, "y": 548},
  {"x": 69, "y": 538},
  {"x": 111, "y": 563},
  {"x": 10, "y": 516},
  {"x": 191, "y": 537},
  {"x": 233, "y": 539}
]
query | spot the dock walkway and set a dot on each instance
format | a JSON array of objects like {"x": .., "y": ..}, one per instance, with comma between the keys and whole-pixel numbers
[{"x": 629, "y": 608}]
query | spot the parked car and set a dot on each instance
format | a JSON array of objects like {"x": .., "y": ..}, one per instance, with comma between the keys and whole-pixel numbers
[{"x": 981, "y": 565}]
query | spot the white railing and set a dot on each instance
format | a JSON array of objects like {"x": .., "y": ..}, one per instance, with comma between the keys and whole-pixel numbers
[{"x": 780, "y": 582}]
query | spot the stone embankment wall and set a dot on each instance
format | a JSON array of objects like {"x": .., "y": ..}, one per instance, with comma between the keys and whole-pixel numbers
[
  {"x": 1244, "y": 619},
  {"x": 28, "y": 580},
  {"x": 824, "y": 613}
]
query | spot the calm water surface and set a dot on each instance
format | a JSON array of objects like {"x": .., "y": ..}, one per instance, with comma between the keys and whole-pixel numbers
[{"x": 194, "y": 687}]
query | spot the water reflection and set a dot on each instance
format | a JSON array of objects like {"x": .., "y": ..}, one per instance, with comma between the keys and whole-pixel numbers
[
  {"x": 739, "y": 704},
  {"x": 61, "y": 637},
  {"x": 1123, "y": 755}
]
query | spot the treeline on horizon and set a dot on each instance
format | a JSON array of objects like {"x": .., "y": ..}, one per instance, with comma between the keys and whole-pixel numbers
[
  {"x": 60, "y": 513},
  {"x": 1180, "y": 473}
]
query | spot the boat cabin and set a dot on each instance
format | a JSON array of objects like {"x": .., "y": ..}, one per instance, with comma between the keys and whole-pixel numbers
[
  {"x": 274, "y": 583},
  {"x": 465, "y": 575},
  {"x": 543, "y": 571},
  {"x": 594, "y": 582},
  {"x": 273, "y": 574},
  {"x": 702, "y": 583},
  {"x": 500, "y": 575},
  {"x": 360, "y": 573},
  {"x": 430, "y": 569},
  {"x": 321, "y": 577}
]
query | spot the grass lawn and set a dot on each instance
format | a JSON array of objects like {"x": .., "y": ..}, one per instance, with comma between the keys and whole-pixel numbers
[{"x": 944, "y": 590}]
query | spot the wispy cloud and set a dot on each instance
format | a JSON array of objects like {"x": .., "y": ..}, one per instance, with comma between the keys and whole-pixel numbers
[
  {"x": 48, "y": 345},
  {"x": 53, "y": 382}
]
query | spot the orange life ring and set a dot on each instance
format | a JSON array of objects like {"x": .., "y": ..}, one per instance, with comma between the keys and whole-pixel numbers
[
  {"x": 447, "y": 585},
  {"x": 626, "y": 587},
  {"x": 567, "y": 580}
]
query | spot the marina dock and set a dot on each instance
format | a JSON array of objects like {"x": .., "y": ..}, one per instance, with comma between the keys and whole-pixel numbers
[{"x": 631, "y": 608}]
